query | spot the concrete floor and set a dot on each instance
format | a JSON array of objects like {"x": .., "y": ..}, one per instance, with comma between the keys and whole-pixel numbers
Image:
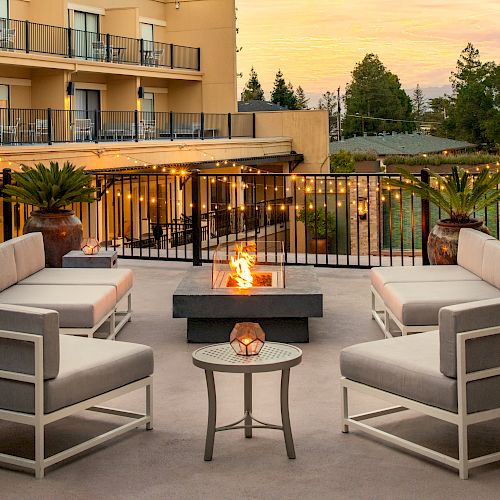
[{"x": 168, "y": 462}]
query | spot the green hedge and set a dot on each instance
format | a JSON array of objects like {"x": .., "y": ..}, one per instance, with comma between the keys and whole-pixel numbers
[{"x": 435, "y": 160}]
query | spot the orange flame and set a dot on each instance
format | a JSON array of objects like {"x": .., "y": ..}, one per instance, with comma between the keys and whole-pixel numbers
[{"x": 242, "y": 265}]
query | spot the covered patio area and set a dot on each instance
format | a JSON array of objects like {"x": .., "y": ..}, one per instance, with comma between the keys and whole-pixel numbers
[{"x": 168, "y": 462}]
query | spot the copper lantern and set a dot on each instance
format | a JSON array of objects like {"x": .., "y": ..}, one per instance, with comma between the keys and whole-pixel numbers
[
  {"x": 90, "y": 246},
  {"x": 247, "y": 339}
]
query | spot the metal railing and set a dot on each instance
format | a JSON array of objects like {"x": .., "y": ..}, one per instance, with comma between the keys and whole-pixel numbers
[
  {"x": 47, "y": 126},
  {"x": 337, "y": 220},
  {"x": 26, "y": 36}
]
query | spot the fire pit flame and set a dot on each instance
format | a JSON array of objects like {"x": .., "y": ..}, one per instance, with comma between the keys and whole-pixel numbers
[{"x": 241, "y": 264}]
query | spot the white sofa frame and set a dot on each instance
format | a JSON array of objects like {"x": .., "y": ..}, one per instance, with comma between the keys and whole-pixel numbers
[
  {"x": 461, "y": 419},
  {"x": 40, "y": 419}
]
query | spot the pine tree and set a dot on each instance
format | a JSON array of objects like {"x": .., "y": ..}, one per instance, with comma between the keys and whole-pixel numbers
[
  {"x": 328, "y": 102},
  {"x": 253, "y": 90},
  {"x": 302, "y": 100},
  {"x": 468, "y": 66},
  {"x": 419, "y": 103},
  {"x": 283, "y": 94}
]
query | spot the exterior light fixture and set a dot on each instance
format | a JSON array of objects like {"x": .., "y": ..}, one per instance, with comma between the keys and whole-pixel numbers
[
  {"x": 140, "y": 92},
  {"x": 177, "y": 5},
  {"x": 362, "y": 208},
  {"x": 71, "y": 88},
  {"x": 90, "y": 246},
  {"x": 247, "y": 339}
]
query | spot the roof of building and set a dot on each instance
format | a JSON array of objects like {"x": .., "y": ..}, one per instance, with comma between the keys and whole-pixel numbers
[
  {"x": 253, "y": 106},
  {"x": 399, "y": 144}
]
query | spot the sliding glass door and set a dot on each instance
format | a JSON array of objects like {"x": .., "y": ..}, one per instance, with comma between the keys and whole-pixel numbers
[{"x": 88, "y": 43}]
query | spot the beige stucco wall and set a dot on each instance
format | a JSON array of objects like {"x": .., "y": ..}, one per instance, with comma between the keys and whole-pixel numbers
[{"x": 308, "y": 131}]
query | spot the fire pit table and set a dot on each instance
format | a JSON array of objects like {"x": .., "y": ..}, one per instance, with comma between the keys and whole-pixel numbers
[{"x": 283, "y": 307}]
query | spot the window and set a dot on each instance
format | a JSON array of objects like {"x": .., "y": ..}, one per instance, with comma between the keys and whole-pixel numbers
[
  {"x": 147, "y": 34},
  {"x": 88, "y": 43},
  {"x": 87, "y": 101},
  {"x": 4, "y": 96},
  {"x": 4, "y": 9},
  {"x": 148, "y": 103}
]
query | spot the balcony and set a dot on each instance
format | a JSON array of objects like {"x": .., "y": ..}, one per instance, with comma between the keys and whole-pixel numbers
[
  {"x": 48, "y": 126},
  {"x": 28, "y": 37}
]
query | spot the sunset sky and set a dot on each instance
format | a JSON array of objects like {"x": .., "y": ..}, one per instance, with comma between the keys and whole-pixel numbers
[{"x": 316, "y": 43}]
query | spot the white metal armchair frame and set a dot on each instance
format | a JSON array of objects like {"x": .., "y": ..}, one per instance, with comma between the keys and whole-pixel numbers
[
  {"x": 461, "y": 419},
  {"x": 40, "y": 419},
  {"x": 83, "y": 129}
]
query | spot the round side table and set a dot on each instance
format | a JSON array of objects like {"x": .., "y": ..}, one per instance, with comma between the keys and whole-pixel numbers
[{"x": 221, "y": 358}]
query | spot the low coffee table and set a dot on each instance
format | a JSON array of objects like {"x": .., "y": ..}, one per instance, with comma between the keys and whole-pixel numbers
[{"x": 221, "y": 358}]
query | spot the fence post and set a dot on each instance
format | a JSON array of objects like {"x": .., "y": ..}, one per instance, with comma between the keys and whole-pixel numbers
[
  {"x": 70, "y": 42},
  {"x": 27, "y": 36},
  {"x": 49, "y": 126},
  {"x": 172, "y": 56},
  {"x": 141, "y": 48},
  {"x": 229, "y": 125},
  {"x": 136, "y": 125},
  {"x": 202, "y": 125},
  {"x": 424, "y": 175},
  {"x": 199, "y": 58},
  {"x": 171, "y": 119},
  {"x": 253, "y": 126},
  {"x": 96, "y": 126},
  {"x": 7, "y": 207},
  {"x": 108, "y": 47},
  {"x": 196, "y": 216}
]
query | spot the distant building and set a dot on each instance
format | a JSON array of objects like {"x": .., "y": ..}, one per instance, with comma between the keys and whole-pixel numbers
[{"x": 255, "y": 106}]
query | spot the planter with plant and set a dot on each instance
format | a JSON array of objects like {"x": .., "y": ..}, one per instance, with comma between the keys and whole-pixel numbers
[
  {"x": 320, "y": 227},
  {"x": 51, "y": 190},
  {"x": 460, "y": 195}
]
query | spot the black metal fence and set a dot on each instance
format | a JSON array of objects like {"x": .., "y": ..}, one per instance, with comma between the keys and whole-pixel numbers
[
  {"x": 26, "y": 36},
  {"x": 47, "y": 126},
  {"x": 338, "y": 220}
]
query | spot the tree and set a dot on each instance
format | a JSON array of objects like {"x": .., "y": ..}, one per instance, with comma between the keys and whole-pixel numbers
[
  {"x": 419, "y": 103},
  {"x": 328, "y": 101},
  {"x": 253, "y": 90},
  {"x": 282, "y": 93},
  {"x": 302, "y": 100},
  {"x": 468, "y": 67},
  {"x": 375, "y": 92}
]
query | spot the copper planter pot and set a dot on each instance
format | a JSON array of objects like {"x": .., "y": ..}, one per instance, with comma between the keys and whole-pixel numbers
[
  {"x": 442, "y": 245},
  {"x": 62, "y": 232},
  {"x": 317, "y": 246}
]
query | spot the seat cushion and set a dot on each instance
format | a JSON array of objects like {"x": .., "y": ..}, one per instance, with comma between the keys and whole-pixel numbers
[
  {"x": 8, "y": 274},
  {"x": 490, "y": 271},
  {"x": 380, "y": 276},
  {"x": 88, "y": 368},
  {"x": 470, "y": 249},
  {"x": 18, "y": 356},
  {"x": 29, "y": 253},
  {"x": 121, "y": 279},
  {"x": 78, "y": 307},
  {"x": 418, "y": 304},
  {"x": 409, "y": 367}
]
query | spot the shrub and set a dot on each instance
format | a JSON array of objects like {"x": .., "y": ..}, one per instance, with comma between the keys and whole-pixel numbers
[{"x": 341, "y": 162}]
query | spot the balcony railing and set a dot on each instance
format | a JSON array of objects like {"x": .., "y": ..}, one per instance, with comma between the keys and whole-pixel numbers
[
  {"x": 48, "y": 126},
  {"x": 38, "y": 38}
]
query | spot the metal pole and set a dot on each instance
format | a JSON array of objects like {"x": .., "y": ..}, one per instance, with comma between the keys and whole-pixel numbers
[
  {"x": 339, "y": 135},
  {"x": 7, "y": 207},
  {"x": 253, "y": 125},
  {"x": 136, "y": 124},
  {"x": 196, "y": 216},
  {"x": 424, "y": 174},
  {"x": 229, "y": 126}
]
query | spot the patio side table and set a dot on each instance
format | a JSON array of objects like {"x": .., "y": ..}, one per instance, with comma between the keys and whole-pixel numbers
[
  {"x": 103, "y": 259},
  {"x": 274, "y": 356}
]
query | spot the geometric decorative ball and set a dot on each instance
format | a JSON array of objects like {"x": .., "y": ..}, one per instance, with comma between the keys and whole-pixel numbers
[
  {"x": 90, "y": 246},
  {"x": 247, "y": 339}
]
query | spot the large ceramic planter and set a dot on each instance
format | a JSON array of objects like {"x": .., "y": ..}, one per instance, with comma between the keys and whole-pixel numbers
[
  {"x": 442, "y": 245},
  {"x": 62, "y": 232},
  {"x": 317, "y": 246}
]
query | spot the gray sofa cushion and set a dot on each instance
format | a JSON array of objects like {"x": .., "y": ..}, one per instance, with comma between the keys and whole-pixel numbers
[
  {"x": 380, "y": 276},
  {"x": 88, "y": 368},
  {"x": 418, "y": 304},
  {"x": 491, "y": 263},
  {"x": 8, "y": 273},
  {"x": 29, "y": 254},
  {"x": 481, "y": 354},
  {"x": 121, "y": 279},
  {"x": 79, "y": 307},
  {"x": 470, "y": 249},
  {"x": 19, "y": 356},
  {"x": 409, "y": 367}
]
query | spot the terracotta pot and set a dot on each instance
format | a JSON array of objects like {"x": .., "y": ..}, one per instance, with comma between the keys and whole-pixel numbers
[
  {"x": 62, "y": 232},
  {"x": 442, "y": 245},
  {"x": 317, "y": 246}
]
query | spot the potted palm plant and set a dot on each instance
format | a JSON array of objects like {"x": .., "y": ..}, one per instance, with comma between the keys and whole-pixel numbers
[
  {"x": 460, "y": 195},
  {"x": 320, "y": 226},
  {"x": 50, "y": 190}
]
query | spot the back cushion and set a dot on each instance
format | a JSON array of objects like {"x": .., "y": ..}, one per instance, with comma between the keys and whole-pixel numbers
[
  {"x": 470, "y": 249},
  {"x": 491, "y": 263},
  {"x": 482, "y": 353},
  {"x": 8, "y": 273},
  {"x": 29, "y": 254},
  {"x": 18, "y": 356}
]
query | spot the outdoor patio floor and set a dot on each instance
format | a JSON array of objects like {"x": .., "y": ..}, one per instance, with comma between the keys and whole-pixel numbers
[{"x": 168, "y": 461}]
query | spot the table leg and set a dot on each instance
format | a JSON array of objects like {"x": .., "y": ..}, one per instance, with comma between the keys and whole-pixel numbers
[
  {"x": 285, "y": 415},
  {"x": 248, "y": 405},
  {"x": 212, "y": 415}
]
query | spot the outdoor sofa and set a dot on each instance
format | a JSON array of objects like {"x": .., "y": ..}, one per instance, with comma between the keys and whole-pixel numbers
[
  {"x": 410, "y": 298},
  {"x": 84, "y": 298},
  {"x": 45, "y": 377},
  {"x": 452, "y": 374}
]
